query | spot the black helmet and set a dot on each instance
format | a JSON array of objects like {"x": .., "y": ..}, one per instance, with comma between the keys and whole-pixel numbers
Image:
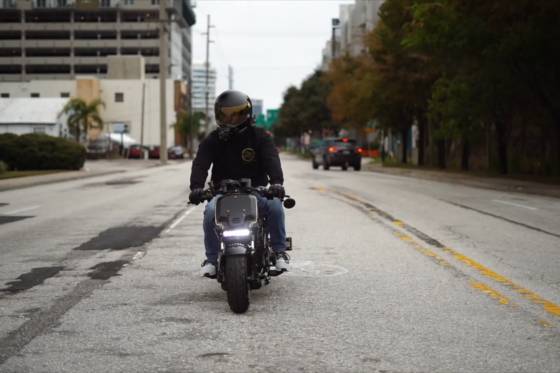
[{"x": 232, "y": 109}]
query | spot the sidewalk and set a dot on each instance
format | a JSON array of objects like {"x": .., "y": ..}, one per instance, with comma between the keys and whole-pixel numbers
[
  {"x": 91, "y": 168},
  {"x": 506, "y": 184}
]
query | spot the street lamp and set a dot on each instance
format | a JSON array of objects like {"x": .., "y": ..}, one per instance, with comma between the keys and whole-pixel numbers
[{"x": 335, "y": 22}]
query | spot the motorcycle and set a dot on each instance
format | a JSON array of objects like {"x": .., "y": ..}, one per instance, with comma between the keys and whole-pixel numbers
[{"x": 246, "y": 260}]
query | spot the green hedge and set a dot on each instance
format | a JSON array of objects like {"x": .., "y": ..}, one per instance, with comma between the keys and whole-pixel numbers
[{"x": 40, "y": 152}]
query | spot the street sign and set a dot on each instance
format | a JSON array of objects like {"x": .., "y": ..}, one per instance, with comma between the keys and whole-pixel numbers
[{"x": 271, "y": 117}]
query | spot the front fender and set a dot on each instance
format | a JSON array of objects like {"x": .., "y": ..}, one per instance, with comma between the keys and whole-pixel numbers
[{"x": 236, "y": 249}]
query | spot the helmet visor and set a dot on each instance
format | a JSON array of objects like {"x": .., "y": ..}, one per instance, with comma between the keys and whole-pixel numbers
[{"x": 233, "y": 116}]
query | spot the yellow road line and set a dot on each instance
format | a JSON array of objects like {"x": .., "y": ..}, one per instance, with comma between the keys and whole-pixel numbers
[
  {"x": 489, "y": 291},
  {"x": 548, "y": 306},
  {"x": 485, "y": 289}
]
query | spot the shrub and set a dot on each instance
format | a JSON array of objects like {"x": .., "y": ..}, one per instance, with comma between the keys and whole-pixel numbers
[{"x": 41, "y": 152}]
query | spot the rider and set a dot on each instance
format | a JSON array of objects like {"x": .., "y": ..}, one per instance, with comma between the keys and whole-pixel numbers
[{"x": 236, "y": 150}]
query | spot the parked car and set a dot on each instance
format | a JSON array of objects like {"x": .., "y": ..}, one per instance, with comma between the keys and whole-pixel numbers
[
  {"x": 99, "y": 148},
  {"x": 338, "y": 152},
  {"x": 176, "y": 152},
  {"x": 136, "y": 151},
  {"x": 153, "y": 152}
]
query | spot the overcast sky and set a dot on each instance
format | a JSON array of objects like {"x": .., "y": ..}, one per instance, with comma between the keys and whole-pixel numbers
[{"x": 271, "y": 44}]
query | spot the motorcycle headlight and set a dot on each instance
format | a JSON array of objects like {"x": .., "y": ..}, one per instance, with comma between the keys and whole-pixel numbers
[{"x": 237, "y": 233}]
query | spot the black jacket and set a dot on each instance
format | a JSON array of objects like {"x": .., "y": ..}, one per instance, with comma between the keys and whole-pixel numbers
[{"x": 249, "y": 154}]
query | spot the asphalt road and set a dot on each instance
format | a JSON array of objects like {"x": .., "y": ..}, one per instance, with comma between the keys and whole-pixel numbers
[{"x": 390, "y": 274}]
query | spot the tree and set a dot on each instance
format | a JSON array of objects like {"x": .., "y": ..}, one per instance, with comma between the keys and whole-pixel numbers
[
  {"x": 83, "y": 116},
  {"x": 403, "y": 75},
  {"x": 305, "y": 109},
  {"x": 189, "y": 127},
  {"x": 503, "y": 53}
]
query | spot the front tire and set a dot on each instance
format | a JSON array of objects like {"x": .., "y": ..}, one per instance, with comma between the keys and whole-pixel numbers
[
  {"x": 236, "y": 283},
  {"x": 315, "y": 164},
  {"x": 326, "y": 165}
]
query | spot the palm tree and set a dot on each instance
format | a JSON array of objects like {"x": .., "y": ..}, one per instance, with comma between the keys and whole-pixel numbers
[
  {"x": 82, "y": 115},
  {"x": 188, "y": 126}
]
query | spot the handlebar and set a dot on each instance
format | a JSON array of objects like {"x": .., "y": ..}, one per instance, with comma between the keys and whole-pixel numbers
[{"x": 287, "y": 201}]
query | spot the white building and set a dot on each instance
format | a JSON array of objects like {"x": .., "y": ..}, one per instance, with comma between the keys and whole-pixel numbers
[
  {"x": 134, "y": 102},
  {"x": 199, "y": 88},
  {"x": 356, "y": 20},
  {"x": 30, "y": 115}
]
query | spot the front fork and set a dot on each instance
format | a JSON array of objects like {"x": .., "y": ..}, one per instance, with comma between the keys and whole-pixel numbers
[{"x": 258, "y": 256}]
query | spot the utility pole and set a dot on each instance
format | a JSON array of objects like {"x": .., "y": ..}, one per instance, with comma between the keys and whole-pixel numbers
[
  {"x": 207, "y": 64},
  {"x": 230, "y": 77},
  {"x": 163, "y": 66},
  {"x": 142, "y": 113}
]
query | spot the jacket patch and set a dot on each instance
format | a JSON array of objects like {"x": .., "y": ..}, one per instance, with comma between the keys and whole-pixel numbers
[{"x": 248, "y": 154}]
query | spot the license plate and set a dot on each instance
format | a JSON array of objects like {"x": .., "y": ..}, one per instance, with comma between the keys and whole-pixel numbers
[{"x": 346, "y": 152}]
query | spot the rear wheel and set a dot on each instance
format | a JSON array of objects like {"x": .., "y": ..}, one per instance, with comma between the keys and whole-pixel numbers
[
  {"x": 326, "y": 165},
  {"x": 344, "y": 167},
  {"x": 358, "y": 166},
  {"x": 236, "y": 283}
]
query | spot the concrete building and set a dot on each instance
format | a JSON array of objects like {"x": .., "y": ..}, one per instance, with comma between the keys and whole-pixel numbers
[
  {"x": 29, "y": 115},
  {"x": 356, "y": 20},
  {"x": 61, "y": 39},
  {"x": 258, "y": 108},
  {"x": 198, "y": 89},
  {"x": 134, "y": 102}
]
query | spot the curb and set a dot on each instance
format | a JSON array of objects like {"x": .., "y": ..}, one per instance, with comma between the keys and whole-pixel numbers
[
  {"x": 504, "y": 185},
  {"x": 22, "y": 183}
]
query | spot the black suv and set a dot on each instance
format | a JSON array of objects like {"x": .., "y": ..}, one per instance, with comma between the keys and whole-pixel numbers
[{"x": 341, "y": 152}]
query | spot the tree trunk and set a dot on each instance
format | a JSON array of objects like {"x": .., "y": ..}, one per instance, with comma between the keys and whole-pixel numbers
[
  {"x": 502, "y": 143},
  {"x": 466, "y": 154},
  {"x": 404, "y": 157},
  {"x": 78, "y": 133},
  {"x": 421, "y": 139},
  {"x": 441, "y": 153}
]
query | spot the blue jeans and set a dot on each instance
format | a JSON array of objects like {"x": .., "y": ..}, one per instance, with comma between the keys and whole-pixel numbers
[{"x": 271, "y": 208}]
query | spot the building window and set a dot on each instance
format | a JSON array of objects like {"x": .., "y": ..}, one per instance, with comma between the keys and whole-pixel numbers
[
  {"x": 4, "y": 95},
  {"x": 119, "y": 97},
  {"x": 62, "y": 3},
  {"x": 7, "y": 4},
  {"x": 155, "y": 2},
  {"x": 105, "y": 3},
  {"x": 128, "y": 2},
  {"x": 65, "y": 94},
  {"x": 41, "y": 3},
  {"x": 39, "y": 130},
  {"x": 35, "y": 95}
]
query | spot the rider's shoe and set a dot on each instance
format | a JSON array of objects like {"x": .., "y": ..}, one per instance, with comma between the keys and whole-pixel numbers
[
  {"x": 282, "y": 264},
  {"x": 208, "y": 269}
]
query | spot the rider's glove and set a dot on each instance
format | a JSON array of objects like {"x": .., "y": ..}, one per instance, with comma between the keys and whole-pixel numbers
[
  {"x": 277, "y": 190},
  {"x": 196, "y": 196}
]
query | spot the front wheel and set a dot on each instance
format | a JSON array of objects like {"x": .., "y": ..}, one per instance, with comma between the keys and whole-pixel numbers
[{"x": 236, "y": 283}]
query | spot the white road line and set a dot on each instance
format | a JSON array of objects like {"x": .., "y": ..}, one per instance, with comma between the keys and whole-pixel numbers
[
  {"x": 21, "y": 210},
  {"x": 179, "y": 219},
  {"x": 514, "y": 204}
]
